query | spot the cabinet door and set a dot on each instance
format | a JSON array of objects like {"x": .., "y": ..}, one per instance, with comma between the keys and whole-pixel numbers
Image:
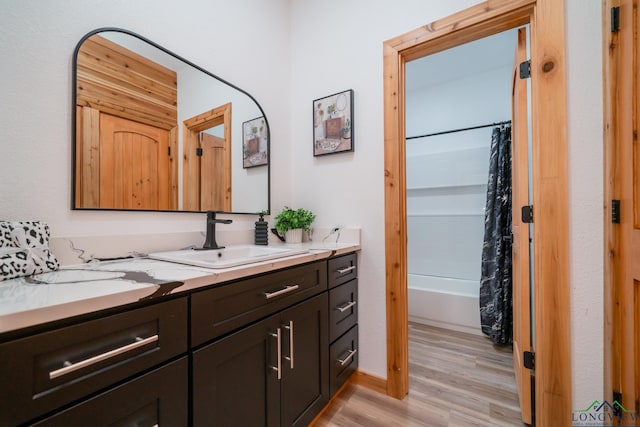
[
  {"x": 234, "y": 383},
  {"x": 305, "y": 376},
  {"x": 157, "y": 398}
]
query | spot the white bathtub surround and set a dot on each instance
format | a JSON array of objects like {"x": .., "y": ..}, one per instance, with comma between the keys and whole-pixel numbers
[
  {"x": 445, "y": 223},
  {"x": 447, "y": 176}
]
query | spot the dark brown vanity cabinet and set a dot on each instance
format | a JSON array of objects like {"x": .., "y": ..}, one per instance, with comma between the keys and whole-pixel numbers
[
  {"x": 80, "y": 371},
  {"x": 273, "y": 372},
  {"x": 267, "y": 350},
  {"x": 343, "y": 319}
]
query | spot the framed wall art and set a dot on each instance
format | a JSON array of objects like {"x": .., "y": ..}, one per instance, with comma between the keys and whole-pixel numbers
[
  {"x": 254, "y": 143},
  {"x": 333, "y": 124}
]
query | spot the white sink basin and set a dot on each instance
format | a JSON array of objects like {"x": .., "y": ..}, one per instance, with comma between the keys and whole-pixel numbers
[{"x": 230, "y": 256}]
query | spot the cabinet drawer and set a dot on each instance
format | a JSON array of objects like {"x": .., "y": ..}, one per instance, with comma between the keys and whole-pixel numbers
[
  {"x": 54, "y": 368},
  {"x": 343, "y": 359},
  {"x": 158, "y": 398},
  {"x": 343, "y": 308},
  {"x": 342, "y": 269},
  {"x": 217, "y": 311}
]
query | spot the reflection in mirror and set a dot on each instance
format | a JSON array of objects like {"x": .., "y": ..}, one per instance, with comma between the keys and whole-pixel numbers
[{"x": 155, "y": 132}]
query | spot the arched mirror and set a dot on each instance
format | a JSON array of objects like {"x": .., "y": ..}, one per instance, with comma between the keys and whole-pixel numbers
[{"x": 153, "y": 132}]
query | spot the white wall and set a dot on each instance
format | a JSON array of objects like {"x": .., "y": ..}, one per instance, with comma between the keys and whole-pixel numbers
[
  {"x": 37, "y": 40},
  {"x": 337, "y": 45},
  {"x": 584, "y": 78},
  {"x": 285, "y": 53}
]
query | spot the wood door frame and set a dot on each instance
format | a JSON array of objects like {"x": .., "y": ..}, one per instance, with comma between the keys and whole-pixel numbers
[
  {"x": 550, "y": 187},
  {"x": 620, "y": 104},
  {"x": 521, "y": 238},
  {"x": 191, "y": 166}
]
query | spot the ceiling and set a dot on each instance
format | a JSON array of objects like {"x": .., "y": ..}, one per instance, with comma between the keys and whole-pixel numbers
[{"x": 464, "y": 60}]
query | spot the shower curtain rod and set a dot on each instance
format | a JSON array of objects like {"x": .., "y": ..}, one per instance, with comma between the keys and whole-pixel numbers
[{"x": 460, "y": 130}]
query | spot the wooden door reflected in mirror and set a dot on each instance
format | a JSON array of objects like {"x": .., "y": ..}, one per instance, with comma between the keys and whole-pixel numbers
[{"x": 143, "y": 138}]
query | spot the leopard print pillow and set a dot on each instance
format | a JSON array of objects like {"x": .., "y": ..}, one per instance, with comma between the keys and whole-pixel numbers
[{"x": 24, "y": 249}]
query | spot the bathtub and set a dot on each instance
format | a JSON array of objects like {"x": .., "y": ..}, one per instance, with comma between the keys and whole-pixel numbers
[
  {"x": 445, "y": 302},
  {"x": 446, "y": 197}
]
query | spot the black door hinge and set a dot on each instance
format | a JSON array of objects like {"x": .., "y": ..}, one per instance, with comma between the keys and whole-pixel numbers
[
  {"x": 199, "y": 152},
  {"x": 527, "y": 214},
  {"x": 529, "y": 360},
  {"x": 615, "y": 211},
  {"x": 525, "y": 69},
  {"x": 617, "y": 404},
  {"x": 615, "y": 19},
  {"x": 169, "y": 151}
]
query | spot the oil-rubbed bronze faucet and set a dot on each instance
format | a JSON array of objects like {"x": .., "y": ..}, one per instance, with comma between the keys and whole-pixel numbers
[{"x": 210, "y": 240}]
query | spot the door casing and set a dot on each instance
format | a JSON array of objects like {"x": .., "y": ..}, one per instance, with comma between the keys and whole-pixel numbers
[
  {"x": 621, "y": 75},
  {"x": 549, "y": 177},
  {"x": 192, "y": 171}
]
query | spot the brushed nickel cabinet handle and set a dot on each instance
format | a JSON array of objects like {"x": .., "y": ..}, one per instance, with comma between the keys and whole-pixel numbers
[
  {"x": 278, "y": 367},
  {"x": 285, "y": 290},
  {"x": 289, "y": 327},
  {"x": 346, "y": 270},
  {"x": 346, "y": 307},
  {"x": 344, "y": 361},
  {"x": 72, "y": 367}
]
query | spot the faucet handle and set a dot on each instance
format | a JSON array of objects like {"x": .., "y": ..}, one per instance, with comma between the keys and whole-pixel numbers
[{"x": 211, "y": 216}]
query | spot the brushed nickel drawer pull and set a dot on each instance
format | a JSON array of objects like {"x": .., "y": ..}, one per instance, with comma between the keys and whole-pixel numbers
[
  {"x": 344, "y": 361},
  {"x": 285, "y": 290},
  {"x": 72, "y": 367},
  {"x": 346, "y": 307},
  {"x": 346, "y": 270},
  {"x": 289, "y": 327},
  {"x": 278, "y": 367}
]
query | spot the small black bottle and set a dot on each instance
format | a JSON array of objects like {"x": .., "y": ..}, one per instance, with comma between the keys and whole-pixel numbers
[{"x": 262, "y": 231}]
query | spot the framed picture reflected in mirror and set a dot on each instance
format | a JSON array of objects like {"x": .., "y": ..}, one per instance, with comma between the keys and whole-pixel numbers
[{"x": 254, "y": 143}]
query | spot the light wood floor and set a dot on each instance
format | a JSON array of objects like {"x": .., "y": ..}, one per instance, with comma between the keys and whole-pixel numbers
[{"x": 455, "y": 379}]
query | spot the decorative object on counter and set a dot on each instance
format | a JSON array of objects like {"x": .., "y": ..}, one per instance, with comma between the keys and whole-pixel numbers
[
  {"x": 333, "y": 123},
  {"x": 262, "y": 230},
  {"x": 291, "y": 223},
  {"x": 254, "y": 143},
  {"x": 24, "y": 249}
]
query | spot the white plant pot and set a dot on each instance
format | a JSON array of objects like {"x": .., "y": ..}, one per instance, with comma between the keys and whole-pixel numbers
[{"x": 293, "y": 236}]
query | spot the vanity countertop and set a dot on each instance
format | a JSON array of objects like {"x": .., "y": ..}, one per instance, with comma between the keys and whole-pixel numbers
[{"x": 86, "y": 288}]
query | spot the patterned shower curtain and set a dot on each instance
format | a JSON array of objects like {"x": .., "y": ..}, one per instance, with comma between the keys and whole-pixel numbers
[{"x": 496, "y": 312}]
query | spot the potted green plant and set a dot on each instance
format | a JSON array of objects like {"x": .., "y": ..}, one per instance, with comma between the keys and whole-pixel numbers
[{"x": 291, "y": 223}]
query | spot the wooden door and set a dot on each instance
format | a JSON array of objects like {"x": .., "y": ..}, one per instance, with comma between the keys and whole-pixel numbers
[
  {"x": 207, "y": 162},
  {"x": 623, "y": 174},
  {"x": 134, "y": 165},
  {"x": 520, "y": 248},
  {"x": 215, "y": 188}
]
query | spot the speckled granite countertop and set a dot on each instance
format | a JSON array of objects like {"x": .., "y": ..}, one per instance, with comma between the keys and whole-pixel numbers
[{"x": 82, "y": 289}]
